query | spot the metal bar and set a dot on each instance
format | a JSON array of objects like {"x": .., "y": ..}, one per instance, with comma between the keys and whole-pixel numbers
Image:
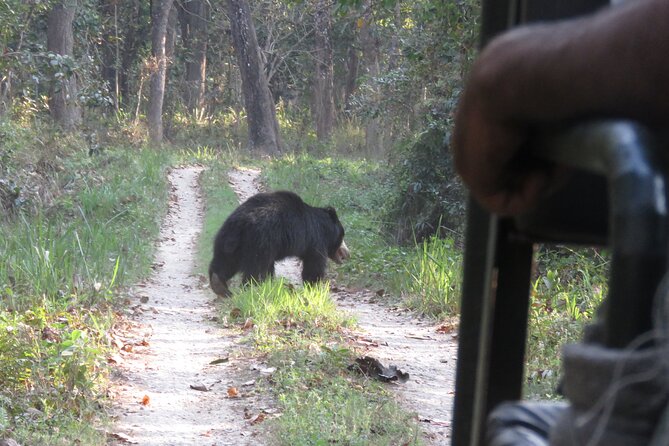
[
  {"x": 628, "y": 156},
  {"x": 468, "y": 413},
  {"x": 509, "y": 324}
]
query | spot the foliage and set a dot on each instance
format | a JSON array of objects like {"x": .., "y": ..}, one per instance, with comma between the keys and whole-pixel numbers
[
  {"x": 322, "y": 404},
  {"x": 429, "y": 198},
  {"x": 82, "y": 228},
  {"x": 274, "y": 305},
  {"x": 568, "y": 288},
  {"x": 433, "y": 278}
]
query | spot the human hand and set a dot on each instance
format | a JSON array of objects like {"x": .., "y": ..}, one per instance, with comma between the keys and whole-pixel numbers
[{"x": 492, "y": 124}]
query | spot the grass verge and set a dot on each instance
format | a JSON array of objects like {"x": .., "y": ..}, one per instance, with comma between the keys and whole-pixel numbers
[{"x": 79, "y": 228}]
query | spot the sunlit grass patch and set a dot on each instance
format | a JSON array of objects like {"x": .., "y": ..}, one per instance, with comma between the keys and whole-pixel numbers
[
  {"x": 283, "y": 314},
  {"x": 320, "y": 399},
  {"x": 322, "y": 402}
]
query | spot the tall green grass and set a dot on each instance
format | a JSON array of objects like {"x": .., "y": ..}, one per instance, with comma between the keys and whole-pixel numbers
[
  {"x": 66, "y": 255},
  {"x": 569, "y": 286},
  {"x": 433, "y": 278}
]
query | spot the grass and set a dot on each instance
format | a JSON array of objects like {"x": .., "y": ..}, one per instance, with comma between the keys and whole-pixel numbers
[
  {"x": 569, "y": 286},
  {"x": 433, "y": 278},
  {"x": 81, "y": 230},
  {"x": 320, "y": 399}
]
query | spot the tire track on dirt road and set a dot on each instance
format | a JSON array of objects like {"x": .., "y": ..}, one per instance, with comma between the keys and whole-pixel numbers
[{"x": 167, "y": 391}]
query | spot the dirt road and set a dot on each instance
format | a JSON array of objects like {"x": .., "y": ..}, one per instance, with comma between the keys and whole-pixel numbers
[{"x": 168, "y": 391}]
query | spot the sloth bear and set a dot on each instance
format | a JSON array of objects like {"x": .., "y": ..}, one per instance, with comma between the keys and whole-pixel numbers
[{"x": 269, "y": 227}]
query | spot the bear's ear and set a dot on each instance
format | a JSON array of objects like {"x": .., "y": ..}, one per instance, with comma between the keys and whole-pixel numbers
[{"x": 332, "y": 213}]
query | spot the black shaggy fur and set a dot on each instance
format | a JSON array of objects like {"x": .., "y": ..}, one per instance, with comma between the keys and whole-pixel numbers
[{"x": 269, "y": 227}]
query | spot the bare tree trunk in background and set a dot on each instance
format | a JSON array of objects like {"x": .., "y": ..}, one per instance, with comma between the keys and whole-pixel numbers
[
  {"x": 324, "y": 110},
  {"x": 60, "y": 40},
  {"x": 194, "y": 17},
  {"x": 370, "y": 50},
  {"x": 136, "y": 34},
  {"x": 352, "y": 63},
  {"x": 260, "y": 112},
  {"x": 111, "y": 60},
  {"x": 160, "y": 14}
]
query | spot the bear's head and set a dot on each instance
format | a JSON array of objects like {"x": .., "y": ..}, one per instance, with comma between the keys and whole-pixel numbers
[{"x": 338, "y": 251}]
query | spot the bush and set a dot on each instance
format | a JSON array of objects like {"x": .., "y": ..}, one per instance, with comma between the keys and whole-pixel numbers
[{"x": 429, "y": 197}]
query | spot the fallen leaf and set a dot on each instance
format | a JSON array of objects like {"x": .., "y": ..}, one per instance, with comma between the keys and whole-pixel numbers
[
  {"x": 146, "y": 400},
  {"x": 144, "y": 299},
  {"x": 123, "y": 438},
  {"x": 259, "y": 419},
  {"x": 219, "y": 361},
  {"x": 447, "y": 328},
  {"x": 248, "y": 324},
  {"x": 233, "y": 392},
  {"x": 199, "y": 387},
  {"x": 114, "y": 359},
  {"x": 373, "y": 368}
]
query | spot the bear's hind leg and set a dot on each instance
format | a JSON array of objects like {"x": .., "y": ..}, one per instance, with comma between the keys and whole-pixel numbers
[{"x": 257, "y": 272}]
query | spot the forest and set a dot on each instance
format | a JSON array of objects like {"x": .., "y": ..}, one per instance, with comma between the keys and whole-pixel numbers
[
  {"x": 348, "y": 102},
  {"x": 365, "y": 78}
]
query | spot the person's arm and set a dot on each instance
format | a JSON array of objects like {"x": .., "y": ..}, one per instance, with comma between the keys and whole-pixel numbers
[{"x": 613, "y": 63}]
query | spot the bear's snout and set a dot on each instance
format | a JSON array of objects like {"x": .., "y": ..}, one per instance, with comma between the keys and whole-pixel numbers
[{"x": 342, "y": 253}]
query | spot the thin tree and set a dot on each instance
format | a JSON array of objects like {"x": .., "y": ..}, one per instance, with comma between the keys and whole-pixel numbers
[
  {"x": 263, "y": 126},
  {"x": 323, "y": 103},
  {"x": 63, "y": 104},
  {"x": 193, "y": 17},
  {"x": 160, "y": 14}
]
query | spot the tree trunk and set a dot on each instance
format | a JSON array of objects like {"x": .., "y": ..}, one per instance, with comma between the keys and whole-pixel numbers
[
  {"x": 159, "y": 19},
  {"x": 263, "y": 126},
  {"x": 132, "y": 21},
  {"x": 194, "y": 17},
  {"x": 111, "y": 60},
  {"x": 60, "y": 40},
  {"x": 323, "y": 82},
  {"x": 370, "y": 50},
  {"x": 352, "y": 63}
]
